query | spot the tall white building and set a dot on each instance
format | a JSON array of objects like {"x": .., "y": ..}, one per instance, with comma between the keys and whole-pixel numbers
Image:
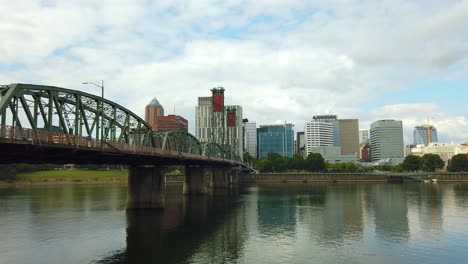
[
  {"x": 386, "y": 137},
  {"x": 203, "y": 115},
  {"x": 251, "y": 138},
  {"x": 203, "y": 124},
  {"x": 318, "y": 134}
]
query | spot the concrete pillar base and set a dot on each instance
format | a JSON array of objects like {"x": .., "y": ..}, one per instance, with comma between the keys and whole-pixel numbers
[
  {"x": 194, "y": 183},
  {"x": 219, "y": 178},
  {"x": 145, "y": 187},
  {"x": 234, "y": 177},
  {"x": 8, "y": 172}
]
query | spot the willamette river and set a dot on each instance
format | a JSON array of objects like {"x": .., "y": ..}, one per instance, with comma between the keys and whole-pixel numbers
[{"x": 283, "y": 223}]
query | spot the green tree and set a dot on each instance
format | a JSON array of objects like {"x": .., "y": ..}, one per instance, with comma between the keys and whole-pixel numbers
[
  {"x": 431, "y": 162},
  {"x": 412, "y": 163},
  {"x": 265, "y": 165},
  {"x": 315, "y": 162},
  {"x": 297, "y": 162},
  {"x": 458, "y": 162},
  {"x": 249, "y": 159},
  {"x": 350, "y": 167},
  {"x": 278, "y": 163},
  {"x": 397, "y": 168}
]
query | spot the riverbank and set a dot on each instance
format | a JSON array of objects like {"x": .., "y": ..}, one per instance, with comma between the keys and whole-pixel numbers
[
  {"x": 77, "y": 177},
  {"x": 68, "y": 176},
  {"x": 353, "y": 177},
  {"x": 121, "y": 176}
]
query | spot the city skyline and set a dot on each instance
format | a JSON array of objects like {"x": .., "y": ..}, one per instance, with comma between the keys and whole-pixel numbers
[{"x": 279, "y": 60}]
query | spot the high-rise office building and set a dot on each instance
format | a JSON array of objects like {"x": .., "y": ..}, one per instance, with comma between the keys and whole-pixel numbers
[
  {"x": 152, "y": 111},
  {"x": 386, "y": 137},
  {"x": 233, "y": 134},
  {"x": 332, "y": 119},
  {"x": 349, "y": 136},
  {"x": 250, "y": 129},
  {"x": 345, "y": 132},
  {"x": 424, "y": 135},
  {"x": 317, "y": 134},
  {"x": 154, "y": 115},
  {"x": 363, "y": 135},
  {"x": 300, "y": 143},
  {"x": 203, "y": 114},
  {"x": 234, "y": 129},
  {"x": 275, "y": 139}
]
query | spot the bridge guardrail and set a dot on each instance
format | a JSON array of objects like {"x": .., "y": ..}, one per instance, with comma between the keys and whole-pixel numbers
[{"x": 10, "y": 134}]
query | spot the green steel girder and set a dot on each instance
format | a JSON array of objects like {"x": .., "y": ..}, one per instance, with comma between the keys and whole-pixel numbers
[
  {"x": 77, "y": 113},
  {"x": 71, "y": 112},
  {"x": 212, "y": 150},
  {"x": 227, "y": 151},
  {"x": 179, "y": 141}
]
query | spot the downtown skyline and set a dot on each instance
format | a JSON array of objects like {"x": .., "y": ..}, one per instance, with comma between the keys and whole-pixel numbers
[{"x": 278, "y": 60}]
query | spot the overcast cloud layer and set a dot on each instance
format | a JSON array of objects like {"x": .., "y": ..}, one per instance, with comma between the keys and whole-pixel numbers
[{"x": 280, "y": 60}]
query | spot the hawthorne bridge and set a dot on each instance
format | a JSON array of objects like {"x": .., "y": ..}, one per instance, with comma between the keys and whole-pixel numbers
[{"x": 47, "y": 124}]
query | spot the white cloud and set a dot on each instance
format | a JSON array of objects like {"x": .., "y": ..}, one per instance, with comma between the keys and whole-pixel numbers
[
  {"x": 450, "y": 128},
  {"x": 280, "y": 60}
]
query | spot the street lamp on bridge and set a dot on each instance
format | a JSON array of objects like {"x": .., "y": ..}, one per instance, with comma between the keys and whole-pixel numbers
[{"x": 101, "y": 110}]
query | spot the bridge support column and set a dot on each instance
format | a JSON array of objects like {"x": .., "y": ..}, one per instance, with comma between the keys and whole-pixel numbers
[
  {"x": 7, "y": 172},
  {"x": 145, "y": 187},
  {"x": 219, "y": 178},
  {"x": 234, "y": 177},
  {"x": 194, "y": 181}
]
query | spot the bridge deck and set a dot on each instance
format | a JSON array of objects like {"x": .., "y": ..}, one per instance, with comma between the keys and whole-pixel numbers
[{"x": 22, "y": 145}]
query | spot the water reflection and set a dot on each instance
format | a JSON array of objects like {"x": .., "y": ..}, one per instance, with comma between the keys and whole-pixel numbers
[
  {"x": 66, "y": 221},
  {"x": 390, "y": 212},
  {"x": 277, "y": 223},
  {"x": 196, "y": 229}
]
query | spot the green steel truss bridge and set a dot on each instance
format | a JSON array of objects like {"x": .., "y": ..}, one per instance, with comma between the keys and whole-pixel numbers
[{"x": 47, "y": 124}]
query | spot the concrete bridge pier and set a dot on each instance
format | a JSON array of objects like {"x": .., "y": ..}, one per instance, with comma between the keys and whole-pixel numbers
[
  {"x": 219, "y": 177},
  {"x": 194, "y": 183},
  {"x": 234, "y": 177},
  {"x": 145, "y": 187},
  {"x": 7, "y": 172}
]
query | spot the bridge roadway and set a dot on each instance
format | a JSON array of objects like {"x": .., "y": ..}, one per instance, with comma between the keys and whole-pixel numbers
[{"x": 46, "y": 124}]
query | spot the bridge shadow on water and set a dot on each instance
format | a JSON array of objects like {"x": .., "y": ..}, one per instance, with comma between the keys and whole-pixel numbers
[{"x": 206, "y": 226}]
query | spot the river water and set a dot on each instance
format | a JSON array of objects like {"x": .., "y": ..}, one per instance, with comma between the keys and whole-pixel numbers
[{"x": 283, "y": 223}]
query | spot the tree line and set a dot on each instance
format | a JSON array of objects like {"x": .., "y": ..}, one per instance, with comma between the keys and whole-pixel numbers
[
  {"x": 431, "y": 162},
  {"x": 314, "y": 162}
]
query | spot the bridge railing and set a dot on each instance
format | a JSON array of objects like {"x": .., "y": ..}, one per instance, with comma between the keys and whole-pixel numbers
[{"x": 16, "y": 135}]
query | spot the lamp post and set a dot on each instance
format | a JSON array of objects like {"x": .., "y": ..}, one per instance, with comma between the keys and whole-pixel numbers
[{"x": 101, "y": 110}]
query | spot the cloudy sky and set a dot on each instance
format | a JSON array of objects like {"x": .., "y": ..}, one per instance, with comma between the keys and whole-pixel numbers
[{"x": 281, "y": 60}]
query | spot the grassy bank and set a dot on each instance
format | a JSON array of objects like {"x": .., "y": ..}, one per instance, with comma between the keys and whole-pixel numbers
[{"x": 72, "y": 175}]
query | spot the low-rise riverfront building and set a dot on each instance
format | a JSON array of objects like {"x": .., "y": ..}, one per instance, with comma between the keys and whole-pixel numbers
[{"x": 445, "y": 150}]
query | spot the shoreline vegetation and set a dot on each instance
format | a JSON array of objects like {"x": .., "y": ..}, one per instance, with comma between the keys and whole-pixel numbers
[
  {"x": 69, "y": 176},
  {"x": 81, "y": 176}
]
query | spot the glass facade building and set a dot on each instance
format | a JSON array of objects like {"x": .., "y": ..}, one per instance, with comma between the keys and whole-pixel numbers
[
  {"x": 421, "y": 133},
  {"x": 275, "y": 139}
]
